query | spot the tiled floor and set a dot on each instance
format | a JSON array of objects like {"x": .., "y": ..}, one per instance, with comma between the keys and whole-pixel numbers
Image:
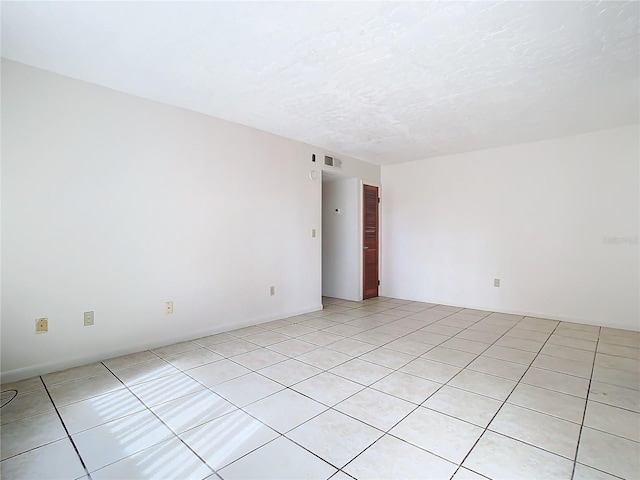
[{"x": 378, "y": 389}]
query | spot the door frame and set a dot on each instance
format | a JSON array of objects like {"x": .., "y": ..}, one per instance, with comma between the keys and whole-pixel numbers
[{"x": 361, "y": 200}]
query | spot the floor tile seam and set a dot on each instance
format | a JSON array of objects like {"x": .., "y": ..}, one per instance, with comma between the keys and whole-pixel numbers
[
  {"x": 76, "y": 379},
  {"x": 73, "y": 443},
  {"x": 600, "y": 470},
  {"x": 619, "y": 356},
  {"x": 175, "y": 435},
  {"x": 538, "y": 447},
  {"x": 382, "y": 434},
  {"x": 584, "y": 413},
  {"x": 616, "y": 406},
  {"x": 613, "y": 434},
  {"x": 401, "y": 440},
  {"x": 486, "y": 428}
]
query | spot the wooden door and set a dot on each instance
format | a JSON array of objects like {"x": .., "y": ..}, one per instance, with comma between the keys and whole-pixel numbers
[{"x": 370, "y": 242}]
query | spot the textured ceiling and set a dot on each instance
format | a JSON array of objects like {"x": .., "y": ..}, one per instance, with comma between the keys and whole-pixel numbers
[{"x": 384, "y": 82}]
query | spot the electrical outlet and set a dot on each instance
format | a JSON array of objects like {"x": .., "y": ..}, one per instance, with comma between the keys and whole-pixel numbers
[
  {"x": 88, "y": 319},
  {"x": 42, "y": 325},
  {"x": 496, "y": 282},
  {"x": 168, "y": 308},
  {"x": 272, "y": 290}
]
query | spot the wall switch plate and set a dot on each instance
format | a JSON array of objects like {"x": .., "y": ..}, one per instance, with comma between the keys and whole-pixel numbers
[
  {"x": 168, "y": 308},
  {"x": 88, "y": 319},
  {"x": 42, "y": 325},
  {"x": 496, "y": 282},
  {"x": 272, "y": 290},
  {"x": 313, "y": 233}
]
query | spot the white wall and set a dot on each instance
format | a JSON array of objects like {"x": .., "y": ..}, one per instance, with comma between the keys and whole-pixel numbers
[
  {"x": 341, "y": 242},
  {"x": 534, "y": 215},
  {"x": 117, "y": 204}
]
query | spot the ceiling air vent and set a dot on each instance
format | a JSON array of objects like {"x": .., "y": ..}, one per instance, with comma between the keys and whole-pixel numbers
[{"x": 332, "y": 162}]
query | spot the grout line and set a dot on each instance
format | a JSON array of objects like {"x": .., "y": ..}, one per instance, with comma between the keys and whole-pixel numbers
[
  {"x": 159, "y": 419},
  {"x": 586, "y": 405},
  {"x": 73, "y": 443},
  {"x": 507, "y": 398}
]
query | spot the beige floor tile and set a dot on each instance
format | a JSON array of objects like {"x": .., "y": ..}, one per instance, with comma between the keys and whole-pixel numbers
[
  {"x": 115, "y": 440},
  {"x": 128, "y": 360},
  {"x": 321, "y": 338},
  {"x": 225, "y": 439},
  {"x": 431, "y": 370},
  {"x": 350, "y": 346},
  {"x": 375, "y": 408},
  {"x": 81, "y": 389},
  {"x": 214, "y": 339},
  {"x": 218, "y": 372},
  {"x": 258, "y": 359},
  {"x": 563, "y": 365},
  {"x": 544, "y": 431},
  {"x": 587, "y": 345},
  {"x": 527, "y": 345},
  {"x": 283, "y": 459},
  {"x": 582, "y": 472},
  {"x": 445, "y": 436},
  {"x": 24, "y": 405},
  {"x": 465, "y": 345},
  {"x": 290, "y": 371},
  {"x": 408, "y": 346},
  {"x": 98, "y": 410},
  {"x": 559, "y": 382},
  {"x": 361, "y": 371},
  {"x": 561, "y": 405},
  {"x": 483, "y": 384},
  {"x": 54, "y": 460},
  {"x": 614, "y": 420},
  {"x": 510, "y": 354},
  {"x": 614, "y": 395},
  {"x": 499, "y": 368},
  {"x": 570, "y": 353},
  {"x": 613, "y": 376},
  {"x": 618, "y": 363},
  {"x": 24, "y": 386},
  {"x": 328, "y": 388},
  {"x": 285, "y": 410},
  {"x": 233, "y": 347},
  {"x": 249, "y": 388},
  {"x": 143, "y": 372},
  {"x": 193, "y": 358},
  {"x": 619, "y": 350},
  {"x": 267, "y": 338},
  {"x": 450, "y": 356},
  {"x": 523, "y": 462},
  {"x": 155, "y": 392},
  {"x": 292, "y": 347},
  {"x": 169, "y": 459},
  {"x": 387, "y": 358},
  {"x": 466, "y": 474},
  {"x": 381, "y": 461},
  {"x": 192, "y": 410},
  {"x": 175, "y": 349},
  {"x": 335, "y": 437},
  {"x": 31, "y": 432},
  {"x": 478, "y": 335},
  {"x": 76, "y": 373},
  {"x": 609, "y": 453},
  {"x": 407, "y": 387},
  {"x": 323, "y": 358},
  {"x": 467, "y": 406}
]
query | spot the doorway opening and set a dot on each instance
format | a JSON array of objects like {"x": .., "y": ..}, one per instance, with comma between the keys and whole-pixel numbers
[{"x": 346, "y": 264}]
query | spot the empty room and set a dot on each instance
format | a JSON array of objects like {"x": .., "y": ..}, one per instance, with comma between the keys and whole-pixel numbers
[{"x": 320, "y": 240}]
